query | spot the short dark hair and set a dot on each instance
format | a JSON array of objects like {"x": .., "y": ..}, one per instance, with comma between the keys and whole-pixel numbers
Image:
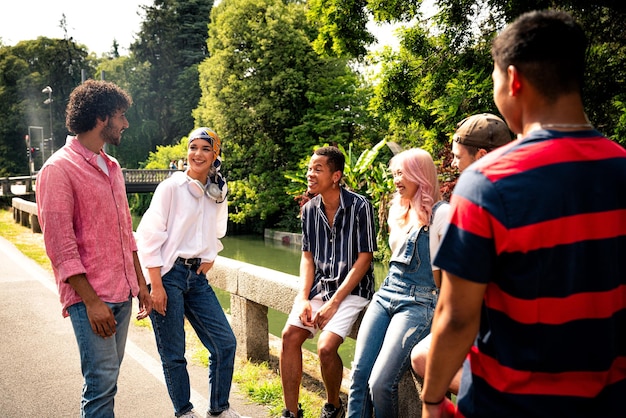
[
  {"x": 335, "y": 158},
  {"x": 548, "y": 48},
  {"x": 94, "y": 99},
  {"x": 472, "y": 150}
]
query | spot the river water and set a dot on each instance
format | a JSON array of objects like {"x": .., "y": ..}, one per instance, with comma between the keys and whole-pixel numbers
[{"x": 286, "y": 258}]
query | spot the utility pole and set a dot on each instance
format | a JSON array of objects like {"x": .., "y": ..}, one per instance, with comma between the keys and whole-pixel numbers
[{"x": 48, "y": 101}]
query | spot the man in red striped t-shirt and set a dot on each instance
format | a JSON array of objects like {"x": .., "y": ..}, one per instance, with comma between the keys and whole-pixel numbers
[{"x": 534, "y": 272}]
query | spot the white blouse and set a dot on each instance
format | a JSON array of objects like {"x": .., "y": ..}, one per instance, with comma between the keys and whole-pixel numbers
[{"x": 178, "y": 224}]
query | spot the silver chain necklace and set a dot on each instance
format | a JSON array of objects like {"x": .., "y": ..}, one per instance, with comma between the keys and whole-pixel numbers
[
  {"x": 587, "y": 125},
  {"x": 568, "y": 125}
]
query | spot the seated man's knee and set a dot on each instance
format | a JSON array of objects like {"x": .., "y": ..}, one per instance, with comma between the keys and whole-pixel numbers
[
  {"x": 418, "y": 357},
  {"x": 327, "y": 345},
  {"x": 293, "y": 336}
]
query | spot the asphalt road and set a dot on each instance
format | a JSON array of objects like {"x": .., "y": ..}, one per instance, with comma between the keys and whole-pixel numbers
[{"x": 39, "y": 362}]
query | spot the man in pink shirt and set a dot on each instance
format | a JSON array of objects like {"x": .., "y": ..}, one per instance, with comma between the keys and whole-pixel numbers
[{"x": 87, "y": 229}]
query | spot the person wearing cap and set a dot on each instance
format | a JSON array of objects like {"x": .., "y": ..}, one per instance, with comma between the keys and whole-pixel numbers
[
  {"x": 475, "y": 136},
  {"x": 178, "y": 239}
]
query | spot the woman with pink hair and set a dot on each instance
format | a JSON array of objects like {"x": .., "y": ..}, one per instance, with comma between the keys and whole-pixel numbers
[{"x": 401, "y": 312}]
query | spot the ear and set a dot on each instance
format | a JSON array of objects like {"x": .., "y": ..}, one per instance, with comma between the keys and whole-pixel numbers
[
  {"x": 336, "y": 176},
  {"x": 515, "y": 80},
  {"x": 100, "y": 122},
  {"x": 480, "y": 153}
]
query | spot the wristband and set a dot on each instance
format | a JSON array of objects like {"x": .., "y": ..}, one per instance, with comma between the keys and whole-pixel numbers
[{"x": 425, "y": 402}]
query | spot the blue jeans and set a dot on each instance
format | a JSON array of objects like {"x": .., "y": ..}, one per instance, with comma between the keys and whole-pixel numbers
[
  {"x": 395, "y": 321},
  {"x": 190, "y": 295},
  {"x": 100, "y": 358},
  {"x": 398, "y": 317}
]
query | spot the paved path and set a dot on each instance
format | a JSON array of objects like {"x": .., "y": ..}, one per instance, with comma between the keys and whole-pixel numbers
[{"x": 39, "y": 363}]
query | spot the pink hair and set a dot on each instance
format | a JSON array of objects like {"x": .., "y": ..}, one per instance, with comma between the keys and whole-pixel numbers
[{"x": 417, "y": 167}]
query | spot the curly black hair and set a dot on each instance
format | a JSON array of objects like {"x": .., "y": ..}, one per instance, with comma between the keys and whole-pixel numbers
[{"x": 94, "y": 99}]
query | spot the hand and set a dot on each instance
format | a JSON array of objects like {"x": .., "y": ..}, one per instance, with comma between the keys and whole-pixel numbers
[
  {"x": 445, "y": 409},
  {"x": 145, "y": 303},
  {"x": 326, "y": 312},
  {"x": 306, "y": 313},
  {"x": 101, "y": 319},
  {"x": 205, "y": 267},
  {"x": 159, "y": 299}
]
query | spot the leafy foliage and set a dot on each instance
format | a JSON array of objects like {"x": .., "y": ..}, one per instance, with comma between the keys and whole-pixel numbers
[
  {"x": 441, "y": 57},
  {"x": 422, "y": 90},
  {"x": 25, "y": 69},
  {"x": 271, "y": 98},
  {"x": 160, "y": 159},
  {"x": 133, "y": 76},
  {"x": 342, "y": 23},
  {"x": 172, "y": 41}
]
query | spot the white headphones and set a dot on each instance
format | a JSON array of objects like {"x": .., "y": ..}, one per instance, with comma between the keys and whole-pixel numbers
[{"x": 215, "y": 189}]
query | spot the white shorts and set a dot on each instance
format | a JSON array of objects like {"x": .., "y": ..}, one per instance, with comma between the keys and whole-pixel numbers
[{"x": 341, "y": 323}]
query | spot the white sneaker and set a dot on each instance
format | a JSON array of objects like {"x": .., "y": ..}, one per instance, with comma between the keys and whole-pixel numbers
[
  {"x": 229, "y": 413},
  {"x": 190, "y": 414}
]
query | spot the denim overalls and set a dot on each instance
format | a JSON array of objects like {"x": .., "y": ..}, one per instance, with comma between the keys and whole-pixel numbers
[{"x": 398, "y": 317}]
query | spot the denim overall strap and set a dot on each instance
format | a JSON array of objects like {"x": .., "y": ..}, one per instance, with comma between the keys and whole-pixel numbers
[{"x": 435, "y": 207}]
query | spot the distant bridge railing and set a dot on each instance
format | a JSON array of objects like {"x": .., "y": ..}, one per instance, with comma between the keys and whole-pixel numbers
[
  {"x": 143, "y": 181},
  {"x": 137, "y": 181},
  {"x": 16, "y": 185}
]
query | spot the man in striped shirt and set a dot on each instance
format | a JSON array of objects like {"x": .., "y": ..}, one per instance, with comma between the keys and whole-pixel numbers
[
  {"x": 338, "y": 242},
  {"x": 534, "y": 273}
]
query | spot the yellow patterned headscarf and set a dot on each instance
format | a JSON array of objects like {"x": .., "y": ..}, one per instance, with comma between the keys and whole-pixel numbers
[{"x": 208, "y": 135}]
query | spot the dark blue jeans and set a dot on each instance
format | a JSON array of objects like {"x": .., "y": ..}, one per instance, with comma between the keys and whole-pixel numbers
[{"x": 190, "y": 295}]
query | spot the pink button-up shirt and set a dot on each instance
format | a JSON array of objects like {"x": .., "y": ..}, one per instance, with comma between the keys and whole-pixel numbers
[{"x": 86, "y": 224}]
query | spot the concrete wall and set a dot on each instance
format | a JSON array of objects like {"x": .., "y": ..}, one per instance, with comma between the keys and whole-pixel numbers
[
  {"x": 288, "y": 238},
  {"x": 25, "y": 213},
  {"x": 253, "y": 289}
]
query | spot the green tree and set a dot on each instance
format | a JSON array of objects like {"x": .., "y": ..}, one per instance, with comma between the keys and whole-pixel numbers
[
  {"x": 160, "y": 159},
  {"x": 423, "y": 89},
  {"x": 603, "y": 22},
  {"x": 172, "y": 40},
  {"x": 460, "y": 34},
  {"x": 138, "y": 140},
  {"x": 338, "y": 111},
  {"x": 342, "y": 23},
  {"x": 12, "y": 115},
  {"x": 25, "y": 69},
  {"x": 268, "y": 95}
]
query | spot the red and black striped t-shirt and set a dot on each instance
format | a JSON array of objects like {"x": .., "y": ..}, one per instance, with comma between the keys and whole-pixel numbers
[{"x": 542, "y": 221}]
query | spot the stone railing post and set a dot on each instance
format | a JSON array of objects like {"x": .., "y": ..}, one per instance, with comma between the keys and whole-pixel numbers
[
  {"x": 250, "y": 325},
  {"x": 409, "y": 395}
]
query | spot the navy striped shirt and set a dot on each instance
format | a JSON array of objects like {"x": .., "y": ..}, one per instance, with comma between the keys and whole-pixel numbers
[
  {"x": 336, "y": 249},
  {"x": 542, "y": 222}
]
